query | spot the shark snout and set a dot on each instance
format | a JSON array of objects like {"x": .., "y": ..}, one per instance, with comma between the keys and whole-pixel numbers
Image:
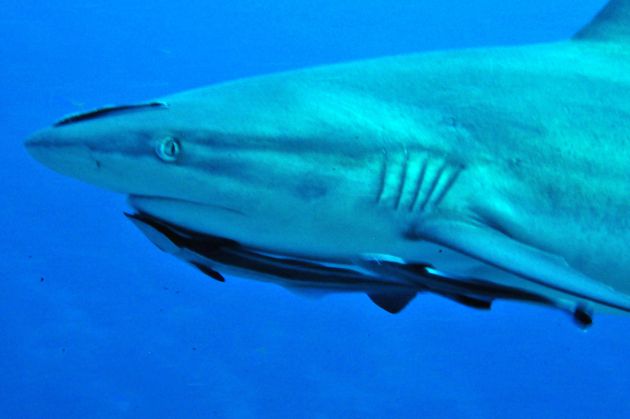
[
  {"x": 104, "y": 155},
  {"x": 60, "y": 152},
  {"x": 42, "y": 147}
]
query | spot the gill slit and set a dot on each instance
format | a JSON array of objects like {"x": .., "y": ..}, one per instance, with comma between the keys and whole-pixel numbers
[
  {"x": 382, "y": 180},
  {"x": 434, "y": 184},
  {"x": 403, "y": 179}
]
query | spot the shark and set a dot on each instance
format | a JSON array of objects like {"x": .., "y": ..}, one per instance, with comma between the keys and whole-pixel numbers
[{"x": 483, "y": 174}]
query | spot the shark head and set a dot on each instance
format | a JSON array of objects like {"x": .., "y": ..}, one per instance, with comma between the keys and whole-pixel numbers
[
  {"x": 258, "y": 161},
  {"x": 102, "y": 146}
]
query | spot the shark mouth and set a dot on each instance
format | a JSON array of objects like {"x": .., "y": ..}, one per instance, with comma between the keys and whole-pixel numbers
[
  {"x": 137, "y": 201},
  {"x": 391, "y": 284}
]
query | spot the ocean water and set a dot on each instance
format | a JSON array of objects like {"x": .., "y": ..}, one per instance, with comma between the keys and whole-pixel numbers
[{"x": 95, "y": 322}]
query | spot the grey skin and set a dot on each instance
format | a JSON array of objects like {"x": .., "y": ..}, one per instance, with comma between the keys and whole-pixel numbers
[{"x": 509, "y": 165}]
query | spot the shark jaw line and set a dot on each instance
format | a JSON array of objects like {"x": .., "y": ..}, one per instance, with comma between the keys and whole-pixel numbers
[{"x": 134, "y": 200}]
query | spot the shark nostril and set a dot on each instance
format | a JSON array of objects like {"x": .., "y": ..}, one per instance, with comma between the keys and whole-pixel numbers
[{"x": 98, "y": 164}]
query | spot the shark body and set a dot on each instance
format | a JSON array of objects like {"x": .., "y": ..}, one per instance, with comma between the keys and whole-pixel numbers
[{"x": 477, "y": 174}]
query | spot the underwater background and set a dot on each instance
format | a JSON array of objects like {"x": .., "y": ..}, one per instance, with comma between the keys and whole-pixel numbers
[{"x": 95, "y": 322}]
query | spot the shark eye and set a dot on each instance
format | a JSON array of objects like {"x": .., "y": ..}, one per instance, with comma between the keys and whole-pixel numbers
[{"x": 167, "y": 149}]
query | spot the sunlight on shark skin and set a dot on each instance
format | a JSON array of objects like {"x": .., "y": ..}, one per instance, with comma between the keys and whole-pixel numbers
[{"x": 476, "y": 174}]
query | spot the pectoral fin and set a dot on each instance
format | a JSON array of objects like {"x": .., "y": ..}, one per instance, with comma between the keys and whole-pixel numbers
[{"x": 497, "y": 249}]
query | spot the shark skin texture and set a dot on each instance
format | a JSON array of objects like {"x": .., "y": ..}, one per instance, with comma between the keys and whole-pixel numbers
[{"x": 479, "y": 174}]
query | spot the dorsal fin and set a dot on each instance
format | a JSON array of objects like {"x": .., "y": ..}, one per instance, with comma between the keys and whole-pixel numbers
[{"x": 612, "y": 24}]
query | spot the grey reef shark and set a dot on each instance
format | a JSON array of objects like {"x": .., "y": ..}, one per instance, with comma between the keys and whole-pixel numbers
[{"x": 476, "y": 174}]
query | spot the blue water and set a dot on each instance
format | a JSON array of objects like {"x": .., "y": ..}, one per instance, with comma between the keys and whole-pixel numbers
[{"x": 96, "y": 323}]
